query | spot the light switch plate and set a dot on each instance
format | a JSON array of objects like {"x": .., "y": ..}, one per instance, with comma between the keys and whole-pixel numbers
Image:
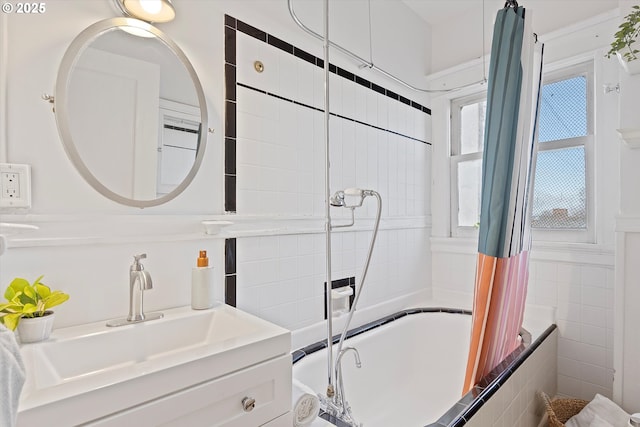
[{"x": 15, "y": 185}]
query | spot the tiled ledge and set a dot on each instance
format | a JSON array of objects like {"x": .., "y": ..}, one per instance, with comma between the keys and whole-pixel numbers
[{"x": 71, "y": 230}]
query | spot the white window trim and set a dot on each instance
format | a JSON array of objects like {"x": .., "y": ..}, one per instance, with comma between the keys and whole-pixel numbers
[{"x": 587, "y": 235}]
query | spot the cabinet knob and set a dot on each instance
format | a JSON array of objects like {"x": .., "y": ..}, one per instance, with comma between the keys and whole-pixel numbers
[{"x": 248, "y": 403}]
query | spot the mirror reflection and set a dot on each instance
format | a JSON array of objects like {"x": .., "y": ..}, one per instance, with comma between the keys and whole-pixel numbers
[{"x": 131, "y": 116}]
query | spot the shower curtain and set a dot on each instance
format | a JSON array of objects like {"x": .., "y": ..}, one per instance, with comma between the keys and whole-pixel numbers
[{"x": 507, "y": 181}]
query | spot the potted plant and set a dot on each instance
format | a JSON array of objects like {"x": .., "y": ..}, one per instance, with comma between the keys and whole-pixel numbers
[
  {"x": 28, "y": 308},
  {"x": 624, "y": 39}
]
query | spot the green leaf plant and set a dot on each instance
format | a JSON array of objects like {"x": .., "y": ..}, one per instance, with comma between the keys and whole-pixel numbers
[
  {"x": 626, "y": 36},
  {"x": 28, "y": 300}
]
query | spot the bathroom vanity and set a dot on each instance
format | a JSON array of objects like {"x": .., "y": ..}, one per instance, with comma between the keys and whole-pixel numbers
[{"x": 216, "y": 367}]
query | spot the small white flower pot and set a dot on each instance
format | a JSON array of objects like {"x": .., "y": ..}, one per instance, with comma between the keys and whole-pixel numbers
[
  {"x": 34, "y": 329},
  {"x": 631, "y": 67}
]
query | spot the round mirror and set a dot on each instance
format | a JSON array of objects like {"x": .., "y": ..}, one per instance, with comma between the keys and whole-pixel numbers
[{"x": 131, "y": 112}]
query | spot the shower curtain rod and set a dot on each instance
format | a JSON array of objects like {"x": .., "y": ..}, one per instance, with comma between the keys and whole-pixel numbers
[{"x": 371, "y": 65}]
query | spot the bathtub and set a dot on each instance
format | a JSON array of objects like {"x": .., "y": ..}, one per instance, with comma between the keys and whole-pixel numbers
[{"x": 413, "y": 367}]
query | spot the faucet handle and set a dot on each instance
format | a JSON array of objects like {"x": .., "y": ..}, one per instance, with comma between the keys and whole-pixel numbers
[
  {"x": 136, "y": 262},
  {"x": 139, "y": 257}
]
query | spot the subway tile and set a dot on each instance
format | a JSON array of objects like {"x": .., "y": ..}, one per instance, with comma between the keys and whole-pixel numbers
[
  {"x": 569, "y": 274},
  {"x": 594, "y": 276},
  {"x": 229, "y": 45},
  {"x": 305, "y": 56},
  {"x": 569, "y": 330},
  {"x": 594, "y": 316},
  {"x": 593, "y": 335},
  {"x": 256, "y": 249},
  {"x": 230, "y": 82},
  {"x": 251, "y": 31},
  {"x": 230, "y": 256},
  {"x": 280, "y": 44},
  {"x": 592, "y": 354},
  {"x": 276, "y": 293},
  {"x": 571, "y": 293},
  {"x": 229, "y": 193},
  {"x": 570, "y": 367},
  {"x": 589, "y": 390},
  {"x": 229, "y": 21},
  {"x": 230, "y": 290},
  {"x": 546, "y": 271},
  {"x": 257, "y": 273},
  {"x": 569, "y": 311},
  {"x": 594, "y": 296},
  {"x": 230, "y": 119},
  {"x": 230, "y": 156},
  {"x": 597, "y": 375},
  {"x": 570, "y": 349},
  {"x": 568, "y": 386}
]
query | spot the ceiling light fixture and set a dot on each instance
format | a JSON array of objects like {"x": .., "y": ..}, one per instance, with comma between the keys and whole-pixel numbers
[{"x": 148, "y": 10}]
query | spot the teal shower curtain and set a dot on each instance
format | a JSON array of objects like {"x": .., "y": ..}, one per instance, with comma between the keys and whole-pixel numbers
[{"x": 507, "y": 182}]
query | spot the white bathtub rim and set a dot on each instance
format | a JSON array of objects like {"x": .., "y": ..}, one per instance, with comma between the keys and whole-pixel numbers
[{"x": 472, "y": 401}]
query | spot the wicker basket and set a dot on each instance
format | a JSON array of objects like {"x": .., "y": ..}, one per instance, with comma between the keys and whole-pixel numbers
[{"x": 559, "y": 410}]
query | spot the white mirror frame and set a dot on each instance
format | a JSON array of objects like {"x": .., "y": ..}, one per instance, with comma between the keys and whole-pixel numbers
[{"x": 69, "y": 60}]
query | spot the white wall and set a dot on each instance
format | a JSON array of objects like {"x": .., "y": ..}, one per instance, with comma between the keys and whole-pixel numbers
[
  {"x": 85, "y": 242},
  {"x": 627, "y": 339},
  {"x": 576, "y": 279},
  {"x": 460, "y": 39}
]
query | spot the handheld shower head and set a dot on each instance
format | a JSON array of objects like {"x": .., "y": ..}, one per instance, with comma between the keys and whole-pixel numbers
[{"x": 350, "y": 197}]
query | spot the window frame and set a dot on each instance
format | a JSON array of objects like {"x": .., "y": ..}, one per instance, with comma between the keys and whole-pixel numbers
[{"x": 586, "y": 235}]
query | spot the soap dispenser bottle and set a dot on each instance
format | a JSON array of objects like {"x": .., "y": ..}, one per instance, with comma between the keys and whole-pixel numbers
[{"x": 202, "y": 296}]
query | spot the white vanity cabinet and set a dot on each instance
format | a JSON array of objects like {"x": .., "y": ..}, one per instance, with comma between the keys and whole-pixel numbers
[
  {"x": 217, "y": 367},
  {"x": 251, "y": 397}
]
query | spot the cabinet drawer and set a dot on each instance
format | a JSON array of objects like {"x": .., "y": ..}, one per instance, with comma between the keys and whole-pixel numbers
[
  {"x": 218, "y": 402},
  {"x": 285, "y": 420}
]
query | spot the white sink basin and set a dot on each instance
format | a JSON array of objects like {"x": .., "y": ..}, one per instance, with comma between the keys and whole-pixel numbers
[{"x": 135, "y": 363}]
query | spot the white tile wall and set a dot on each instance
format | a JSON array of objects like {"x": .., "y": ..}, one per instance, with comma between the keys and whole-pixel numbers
[
  {"x": 280, "y": 145},
  {"x": 517, "y": 403},
  {"x": 281, "y": 278},
  {"x": 582, "y": 294},
  {"x": 281, "y": 172}
]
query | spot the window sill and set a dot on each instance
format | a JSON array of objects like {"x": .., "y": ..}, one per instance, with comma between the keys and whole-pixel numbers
[{"x": 578, "y": 253}]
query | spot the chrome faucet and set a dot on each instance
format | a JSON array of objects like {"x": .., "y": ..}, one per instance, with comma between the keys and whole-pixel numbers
[
  {"x": 138, "y": 274},
  {"x": 139, "y": 281},
  {"x": 338, "y": 405}
]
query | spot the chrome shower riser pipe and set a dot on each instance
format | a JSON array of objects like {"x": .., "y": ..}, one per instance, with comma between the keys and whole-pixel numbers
[{"x": 330, "y": 371}]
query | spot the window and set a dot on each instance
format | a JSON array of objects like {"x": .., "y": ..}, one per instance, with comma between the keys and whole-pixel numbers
[{"x": 562, "y": 202}]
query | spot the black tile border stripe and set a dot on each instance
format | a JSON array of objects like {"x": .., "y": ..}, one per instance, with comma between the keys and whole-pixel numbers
[
  {"x": 230, "y": 272},
  {"x": 311, "y": 107},
  {"x": 461, "y": 413},
  {"x": 319, "y": 62}
]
